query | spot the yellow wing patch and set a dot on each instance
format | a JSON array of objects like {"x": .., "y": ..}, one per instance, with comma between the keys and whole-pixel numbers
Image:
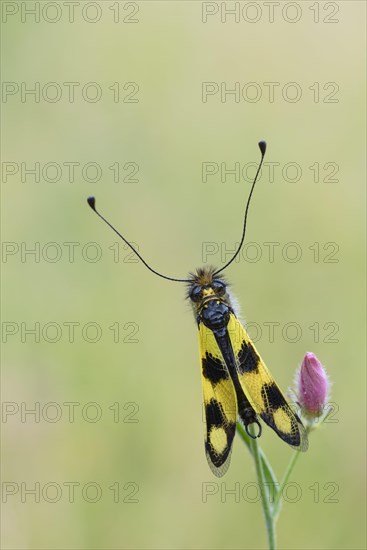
[
  {"x": 261, "y": 390},
  {"x": 218, "y": 439},
  {"x": 220, "y": 403}
]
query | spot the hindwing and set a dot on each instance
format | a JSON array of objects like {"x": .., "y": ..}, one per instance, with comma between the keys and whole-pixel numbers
[
  {"x": 262, "y": 391},
  {"x": 220, "y": 403}
]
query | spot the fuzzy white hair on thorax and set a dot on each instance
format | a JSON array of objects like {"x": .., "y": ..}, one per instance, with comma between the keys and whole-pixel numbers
[{"x": 235, "y": 305}]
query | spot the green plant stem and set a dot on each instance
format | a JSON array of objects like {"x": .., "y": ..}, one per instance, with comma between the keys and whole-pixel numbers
[
  {"x": 268, "y": 470},
  {"x": 278, "y": 497},
  {"x": 267, "y": 479},
  {"x": 264, "y": 491},
  {"x": 289, "y": 470}
]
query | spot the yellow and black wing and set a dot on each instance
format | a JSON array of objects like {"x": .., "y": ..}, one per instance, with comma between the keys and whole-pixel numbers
[
  {"x": 220, "y": 403},
  {"x": 261, "y": 390}
]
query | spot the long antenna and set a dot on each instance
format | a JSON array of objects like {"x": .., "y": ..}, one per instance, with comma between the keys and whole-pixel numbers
[
  {"x": 262, "y": 147},
  {"x": 92, "y": 203}
]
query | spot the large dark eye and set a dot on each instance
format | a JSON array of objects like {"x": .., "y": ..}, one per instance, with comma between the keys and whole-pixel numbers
[
  {"x": 196, "y": 293},
  {"x": 219, "y": 287}
]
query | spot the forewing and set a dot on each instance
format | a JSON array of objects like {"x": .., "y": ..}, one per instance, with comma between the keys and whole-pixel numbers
[
  {"x": 219, "y": 402},
  {"x": 262, "y": 391}
]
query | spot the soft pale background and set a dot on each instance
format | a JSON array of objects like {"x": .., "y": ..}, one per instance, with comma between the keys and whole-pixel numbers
[{"x": 170, "y": 213}]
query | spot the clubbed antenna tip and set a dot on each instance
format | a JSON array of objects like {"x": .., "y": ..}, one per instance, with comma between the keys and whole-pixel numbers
[
  {"x": 92, "y": 202},
  {"x": 262, "y": 147}
]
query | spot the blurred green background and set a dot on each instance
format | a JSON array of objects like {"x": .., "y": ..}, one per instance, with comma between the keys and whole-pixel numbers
[{"x": 118, "y": 346}]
